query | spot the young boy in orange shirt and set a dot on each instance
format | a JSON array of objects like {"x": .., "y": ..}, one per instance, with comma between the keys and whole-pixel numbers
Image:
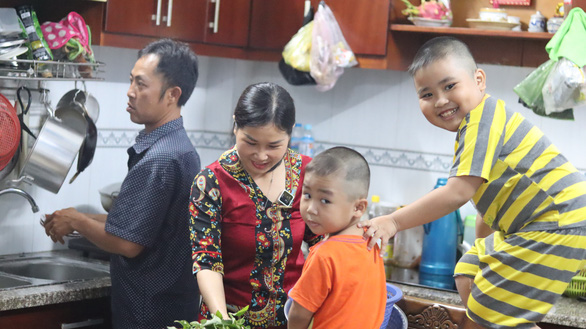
[{"x": 343, "y": 285}]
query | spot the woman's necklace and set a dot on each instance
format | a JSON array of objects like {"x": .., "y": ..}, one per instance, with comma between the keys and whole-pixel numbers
[{"x": 269, "y": 190}]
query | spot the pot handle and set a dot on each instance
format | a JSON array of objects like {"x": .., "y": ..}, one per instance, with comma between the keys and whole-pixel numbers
[{"x": 45, "y": 101}]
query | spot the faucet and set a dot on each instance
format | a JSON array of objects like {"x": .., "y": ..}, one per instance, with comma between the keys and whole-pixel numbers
[{"x": 24, "y": 194}]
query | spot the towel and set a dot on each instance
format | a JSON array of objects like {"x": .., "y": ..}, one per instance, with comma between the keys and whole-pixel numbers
[{"x": 568, "y": 41}]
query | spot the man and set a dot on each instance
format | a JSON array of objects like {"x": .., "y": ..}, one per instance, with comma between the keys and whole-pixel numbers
[{"x": 147, "y": 227}]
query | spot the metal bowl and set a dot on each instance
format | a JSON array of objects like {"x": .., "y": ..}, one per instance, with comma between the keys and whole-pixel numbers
[{"x": 108, "y": 194}]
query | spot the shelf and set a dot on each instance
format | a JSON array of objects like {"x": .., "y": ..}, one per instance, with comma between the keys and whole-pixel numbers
[
  {"x": 472, "y": 32},
  {"x": 33, "y": 70}
]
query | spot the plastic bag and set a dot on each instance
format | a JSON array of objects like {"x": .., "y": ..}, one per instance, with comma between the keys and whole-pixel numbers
[
  {"x": 297, "y": 51},
  {"x": 565, "y": 87},
  {"x": 530, "y": 95},
  {"x": 330, "y": 52},
  {"x": 291, "y": 74}
]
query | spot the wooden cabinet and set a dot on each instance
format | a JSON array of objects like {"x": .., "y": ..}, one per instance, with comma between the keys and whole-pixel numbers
[
  {"x": 209, "y": 21},
  {"x": 363, "y": 23},
  {"x": 488, "y": 46},
  {"x": 87, "y": 314},
  {"x": 423, "y": 312}
]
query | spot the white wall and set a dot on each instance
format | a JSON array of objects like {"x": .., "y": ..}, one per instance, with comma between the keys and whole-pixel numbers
[{"x": 374, "y": 111}]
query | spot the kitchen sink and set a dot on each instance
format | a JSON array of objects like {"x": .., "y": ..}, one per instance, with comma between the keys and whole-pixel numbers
[
  {"x": 27, "y": 271},
  {"x": 9, "y": 282}
]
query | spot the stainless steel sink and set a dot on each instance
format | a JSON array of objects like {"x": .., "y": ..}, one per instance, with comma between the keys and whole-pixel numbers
[
  {"x": 27, "y": 271},
  {"x": 9, "y": 282}
]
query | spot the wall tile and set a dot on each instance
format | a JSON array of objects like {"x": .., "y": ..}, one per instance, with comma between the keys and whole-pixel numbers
[{"x": 373, "y": 111}]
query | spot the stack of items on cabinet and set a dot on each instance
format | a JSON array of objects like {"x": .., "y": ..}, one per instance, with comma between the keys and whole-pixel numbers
[{"x": 23, "y": 38}]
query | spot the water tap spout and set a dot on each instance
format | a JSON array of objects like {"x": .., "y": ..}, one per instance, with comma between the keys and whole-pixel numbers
[{"x": 24, "y": 194}]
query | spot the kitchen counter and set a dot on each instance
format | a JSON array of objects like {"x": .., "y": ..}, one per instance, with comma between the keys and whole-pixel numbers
[
  {"x": 48, "y": 294},
  {"x": 567, "y": 311}
]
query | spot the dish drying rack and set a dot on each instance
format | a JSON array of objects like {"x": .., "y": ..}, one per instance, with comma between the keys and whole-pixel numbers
[{"x": 26, "y": 69}]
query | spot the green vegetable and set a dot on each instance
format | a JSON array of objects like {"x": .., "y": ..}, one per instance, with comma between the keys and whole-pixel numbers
[{"x": 236, "y": 321}]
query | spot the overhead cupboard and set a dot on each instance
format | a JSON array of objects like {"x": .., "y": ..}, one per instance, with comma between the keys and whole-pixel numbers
[{"x": 376, "y": 30}]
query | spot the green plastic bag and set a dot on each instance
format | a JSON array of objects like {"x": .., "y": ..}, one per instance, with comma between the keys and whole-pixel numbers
[{"x": 529, "y": 92}]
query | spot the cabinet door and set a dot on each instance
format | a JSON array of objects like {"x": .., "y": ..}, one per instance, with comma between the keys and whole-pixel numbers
[
  {"x": 365, "y": 24},
  {"x": 187, "y": 19},
  {"x": 228, "y": 22},
  {"x": 274, "y": 22},
  {"x": 178, "y": 19},
  {"x": 90, "y": 314}
]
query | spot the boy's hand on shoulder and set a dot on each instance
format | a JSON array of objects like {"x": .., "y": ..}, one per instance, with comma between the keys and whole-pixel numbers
[{"x": 383, "y": 227}]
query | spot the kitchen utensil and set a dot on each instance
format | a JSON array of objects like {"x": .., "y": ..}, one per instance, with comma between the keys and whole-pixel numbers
[
  {"x": 10, "y": 166},
  {"x": 55, "y": 149},
  {"x": 490, "y": 25},
  {"x": 429, "y": 22},
  {"x": 9, "y": 44},
  {"x": 89, "y": 101},
  {"x": 9, "y": 131},
  {"x": 23, "y": 109},
  {"x": 88, "y": 148},
  {"x": 493, "y": 14},
  {"x": 13, "y": 53},
  {"x": 537, "y": 22},
  {"x": 108, "y": 194}
]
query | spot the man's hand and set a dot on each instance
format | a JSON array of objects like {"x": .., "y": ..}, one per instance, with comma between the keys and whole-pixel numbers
[
  {"x": 60, "y": 223},
  {"x": 383, "y": 227}
]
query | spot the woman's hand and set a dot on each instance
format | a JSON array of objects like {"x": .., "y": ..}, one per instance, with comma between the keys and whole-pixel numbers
[{"x": 383, "y": 227}]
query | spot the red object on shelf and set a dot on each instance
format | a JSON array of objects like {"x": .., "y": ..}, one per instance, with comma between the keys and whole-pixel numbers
[
  {"x": 510, "y": 3},
  {"x": 9, "y": 131}
]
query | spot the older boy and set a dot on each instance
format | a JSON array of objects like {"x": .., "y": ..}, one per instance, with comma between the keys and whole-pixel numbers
[
  {"x": 342, "y": 284},
  {"x": 522, "y": 186}
]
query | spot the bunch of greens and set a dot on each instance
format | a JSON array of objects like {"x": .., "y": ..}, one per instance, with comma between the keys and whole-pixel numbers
[{"x": 236, "y": 321}]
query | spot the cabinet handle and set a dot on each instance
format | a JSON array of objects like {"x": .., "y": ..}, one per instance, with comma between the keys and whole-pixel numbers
[
  {"x": 157, "y": 18},
  {"x": 169, "y": 10},
  {"x": 214, "y": 24},
  {"x": 82, "y": 324}
]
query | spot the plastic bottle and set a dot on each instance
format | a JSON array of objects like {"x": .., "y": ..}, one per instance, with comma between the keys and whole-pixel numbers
[
  {"x": 440, "y": 244},
  {"x": 372, "y": 210},
  {"x": 296, "y": 137},
  {"x": 378, "y": 209},
  {"x": 567, "y": 7},
  {"x": 306, "y": 146}
]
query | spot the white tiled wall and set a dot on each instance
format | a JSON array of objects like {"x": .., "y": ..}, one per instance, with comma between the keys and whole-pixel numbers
[{"x": 375, "y": 111}]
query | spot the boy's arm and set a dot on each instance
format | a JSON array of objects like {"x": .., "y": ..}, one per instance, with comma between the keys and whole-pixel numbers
[
  {"x": 299, "y": 317},
  {"x": 434, "y": 205}
]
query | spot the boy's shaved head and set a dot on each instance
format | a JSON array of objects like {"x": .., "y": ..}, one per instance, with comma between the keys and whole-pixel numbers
[
  {"x": 348, "y": 165},
  {"x": 440, "y": 48}
]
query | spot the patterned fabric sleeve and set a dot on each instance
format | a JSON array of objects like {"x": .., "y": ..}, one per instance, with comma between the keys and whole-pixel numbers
[
  {"x": 205, "y": 222},
  {"x": 311, "y": 238}
]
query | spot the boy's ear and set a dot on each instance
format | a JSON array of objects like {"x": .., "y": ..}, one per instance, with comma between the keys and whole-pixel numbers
[
  {"x": 480, "y": 77},
  {"x": 360, "y": 207}
]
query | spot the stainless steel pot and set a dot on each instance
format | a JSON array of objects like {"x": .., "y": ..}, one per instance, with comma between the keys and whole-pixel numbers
[{"x": 55, "y": 149}]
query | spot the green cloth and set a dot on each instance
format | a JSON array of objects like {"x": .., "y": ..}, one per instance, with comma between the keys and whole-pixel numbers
[{"x": 569, "y": 40}]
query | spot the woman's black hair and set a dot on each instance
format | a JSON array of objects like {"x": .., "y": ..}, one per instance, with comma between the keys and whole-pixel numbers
[{"x": 264, "y": 103}]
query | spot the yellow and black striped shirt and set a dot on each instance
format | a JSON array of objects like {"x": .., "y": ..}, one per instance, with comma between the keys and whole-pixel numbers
[{"x": 529, "y": 185}]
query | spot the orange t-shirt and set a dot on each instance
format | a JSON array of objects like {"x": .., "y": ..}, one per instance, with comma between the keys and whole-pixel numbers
[{"x": 343, "y": 283}]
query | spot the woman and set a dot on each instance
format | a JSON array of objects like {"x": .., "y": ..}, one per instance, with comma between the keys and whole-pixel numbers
[{"x": 246, "y": 229}]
